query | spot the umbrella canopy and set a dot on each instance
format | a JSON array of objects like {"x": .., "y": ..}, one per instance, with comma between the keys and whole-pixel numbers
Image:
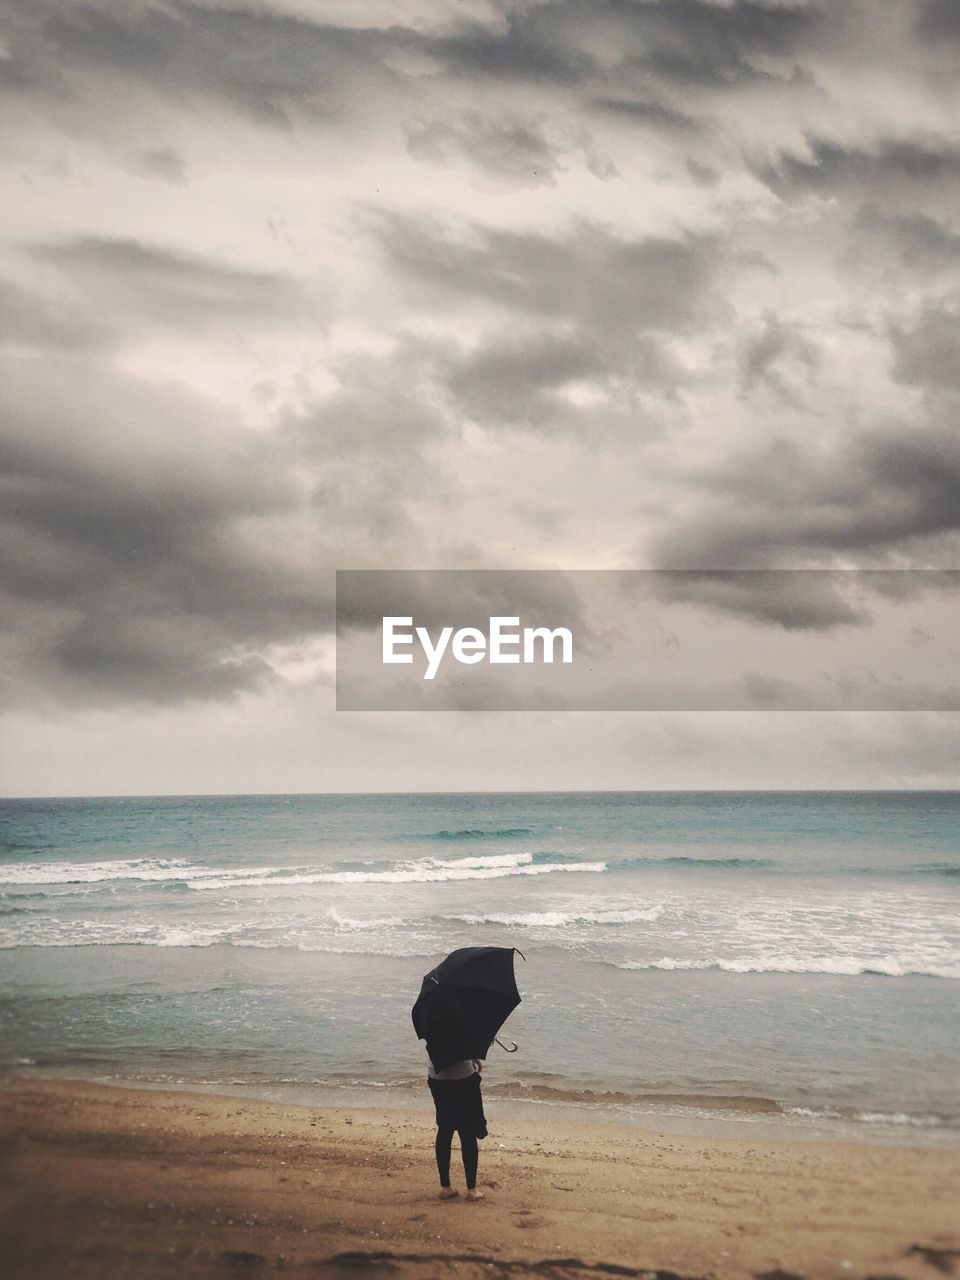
[{"x": 464, "y": 1002}]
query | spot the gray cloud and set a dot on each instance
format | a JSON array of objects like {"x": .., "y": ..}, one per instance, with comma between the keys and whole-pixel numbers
[
  {"x": 144, "y": 657},
  {"x": 500, "y": 286},
  {"x": 281, "y": 70},
  {"x": 798, "y": 600},
  {"x": 809, "y": 600},
  {"x": 516, "y": 152},
  {"x": 164, "y": 163},
  {"x": 588, "y": 307},
  {"x": 530, "y": 381},
  {"x": 270, "y": 66},
  {"x": 928, "y": 352},
  {"x": 887, "y": 245},
  {"x": 680, "y": 40},
  {"x": 126, "y": 277},
  {"x": 526, "y": 153},
  {"x": 872, "y": 496},
  {"x": 32, "y": 320},
  {"x": 518, "y": 380},
  {"x": 765, "y": 355},
  {"x": 653, "y": 114},
  {"x": 142, "y": 532},
  {"x": 524, "y": 51},
  {"x": 434, "y": 600},
  {"x": 701, "y": 42},
  {"x": 938, "y": 20},
  {"x": 891, "y": 167},
  {"x": 599, "y": 281}
]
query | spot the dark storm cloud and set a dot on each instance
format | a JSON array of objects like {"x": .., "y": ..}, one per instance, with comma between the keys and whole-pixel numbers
[
  {"x": 31, "y": 320},
  {"x": 601, "y": 282},
  {"x": 799, "y": 600},
  {"x": 928, "y": 352},
  {"x": 140, "y": 530},
  {"x": 763, "y": 355},
  {"x": 149, "y": 551},
  {"x": 804, "y": 600},
  {"x": 678, "y": 40},
  {"x": 264, "y": 64},
  {"x": 145, "y": 656},
  {"x": 518, "y": 380},
  {"x": 155, "y": 549},
  {"x": 520, "y": 152},
  {"x": 885, "y": 168},
  {"x": 378, "y": 406},
  {"x": 441, "y": 598},
  {"x": 525, "y": 51},
  {"x": 514, "y": 151},
  {"x": 586, "y": 306},
  {"x": 916, "y": 242},
  {"x": 700, "y": 42},
  {"x": 165, "y": 285},
  {"x": 365, "y": 445},
  {"x": 939, "y": 20},
  {"x": 871, "y": 496},
  {"x": 524, "y": 381},
  {"x": 278, "y": 67},
  {"x": 653, "y": 114}
]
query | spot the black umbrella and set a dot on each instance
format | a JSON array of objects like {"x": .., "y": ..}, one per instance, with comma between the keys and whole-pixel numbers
[{"x": 464, "y": 1002}]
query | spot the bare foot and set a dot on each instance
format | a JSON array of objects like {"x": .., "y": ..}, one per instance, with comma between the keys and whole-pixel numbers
[
  {"x": 474, "y": 1195},
  {"x": 448, "y": 1193}
]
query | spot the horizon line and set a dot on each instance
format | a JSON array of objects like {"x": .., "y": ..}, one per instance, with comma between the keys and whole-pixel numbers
[{"x": 566, "y": 791}]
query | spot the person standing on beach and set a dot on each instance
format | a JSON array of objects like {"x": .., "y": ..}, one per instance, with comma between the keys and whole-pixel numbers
[{"x": 459, "y": 1106}]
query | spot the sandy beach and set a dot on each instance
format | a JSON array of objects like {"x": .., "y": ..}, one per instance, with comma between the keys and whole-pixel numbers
[{"x": 99, "y": 1181}]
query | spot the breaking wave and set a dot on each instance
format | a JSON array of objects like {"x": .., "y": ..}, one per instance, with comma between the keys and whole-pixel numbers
[
  {"x": 842, "y": 966},
  {"x": 560, "y": 919},
  {"x": 166, "y": 871},
  {"x": 421, "y": 871},
  {"x": 159, "y": 869}
]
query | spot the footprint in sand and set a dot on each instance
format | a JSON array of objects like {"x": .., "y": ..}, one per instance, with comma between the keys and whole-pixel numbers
[{"x": 526, "y": 1219}]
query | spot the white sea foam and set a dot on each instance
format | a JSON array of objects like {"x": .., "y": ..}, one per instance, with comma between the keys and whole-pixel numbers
[
  {"x": 480, "y": 862},
  {"x": 92, "y": 933},
  {"x": 842, "y": 966},
  {"x": 198, "y": 937},
  {"x": 154, "y": 869},
  {"x": 558, "y": 919},
  {"x": 423, "y": 871},
  {"x": 870, "y": 1117},
  {"x": 899, "y": 1117},
  {"x": 341, "y": 920},
  {"x": 428, "y": 871}
]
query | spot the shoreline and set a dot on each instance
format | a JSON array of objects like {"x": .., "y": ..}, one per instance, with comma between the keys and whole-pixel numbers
[
  {"x": 695, "y": 1115},
  {"x": 141, "y": 1182}
]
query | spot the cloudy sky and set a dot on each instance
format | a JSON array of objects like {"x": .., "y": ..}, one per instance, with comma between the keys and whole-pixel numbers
[{"x": 300, "y": 285}]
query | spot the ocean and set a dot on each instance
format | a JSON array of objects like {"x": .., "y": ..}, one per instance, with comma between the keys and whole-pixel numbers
[{"x": 746, "y": 956}]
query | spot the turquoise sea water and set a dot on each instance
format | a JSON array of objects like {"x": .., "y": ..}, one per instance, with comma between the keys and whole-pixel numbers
[{"x": 798, "y": 948}]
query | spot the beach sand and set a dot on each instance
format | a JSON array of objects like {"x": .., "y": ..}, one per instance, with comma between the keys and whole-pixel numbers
[{"x": 107, "y": 1182}]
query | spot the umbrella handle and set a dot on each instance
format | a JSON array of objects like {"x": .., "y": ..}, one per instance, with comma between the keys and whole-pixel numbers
[{"x": 504, "y": 1047}]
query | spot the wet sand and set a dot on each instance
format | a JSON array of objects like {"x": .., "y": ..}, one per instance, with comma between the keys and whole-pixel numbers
[{"x": 106, "y": 1182}]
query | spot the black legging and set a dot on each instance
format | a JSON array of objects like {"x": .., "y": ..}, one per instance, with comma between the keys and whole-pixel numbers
[{"x": 468, "y": 1150}]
